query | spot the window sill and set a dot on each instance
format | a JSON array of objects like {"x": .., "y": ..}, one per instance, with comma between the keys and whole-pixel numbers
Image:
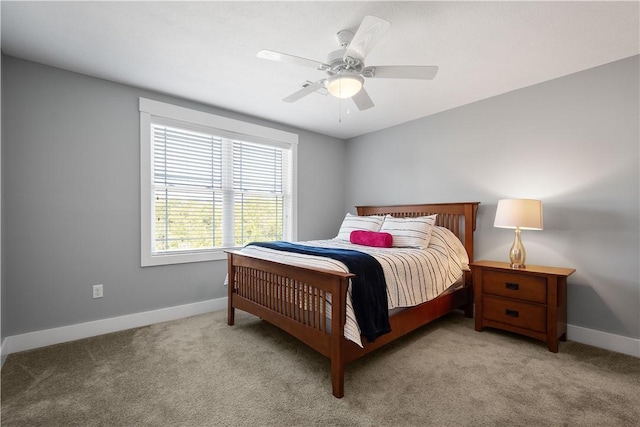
[{"x": 183, "y": 258}]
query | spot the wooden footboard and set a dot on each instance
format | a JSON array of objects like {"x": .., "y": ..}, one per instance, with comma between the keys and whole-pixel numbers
[{"x": 295, "y": 298}]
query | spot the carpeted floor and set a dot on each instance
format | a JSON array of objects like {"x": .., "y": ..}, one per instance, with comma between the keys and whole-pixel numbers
[{"x": 201, "y": 372}]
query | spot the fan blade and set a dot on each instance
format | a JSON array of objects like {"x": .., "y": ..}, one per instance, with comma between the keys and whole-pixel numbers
[
  {"x": 367, "y": 36},
  {"x": 362, "y": 100},
  {"x": 272, "y": 55},
  {"x": 311, "y": 87},
  {"x": 421, "y": 72}
]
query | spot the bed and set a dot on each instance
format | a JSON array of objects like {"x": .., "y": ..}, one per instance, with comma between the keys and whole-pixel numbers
[{"x": 311, "y": 303}]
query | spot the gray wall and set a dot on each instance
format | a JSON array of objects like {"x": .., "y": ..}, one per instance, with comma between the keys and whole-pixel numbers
[
  {"x": 572, "y": 142},
  {"x": 72, "y": 201}
]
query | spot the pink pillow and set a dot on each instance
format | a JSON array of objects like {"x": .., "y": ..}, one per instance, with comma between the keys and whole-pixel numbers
[{"x": 371, "y": 238}]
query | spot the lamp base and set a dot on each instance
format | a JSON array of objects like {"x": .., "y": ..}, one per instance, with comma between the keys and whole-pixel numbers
[{"x": 517, "y": 253}]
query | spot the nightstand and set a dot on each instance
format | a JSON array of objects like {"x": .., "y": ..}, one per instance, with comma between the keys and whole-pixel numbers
[{"x": 531, "y": 301}]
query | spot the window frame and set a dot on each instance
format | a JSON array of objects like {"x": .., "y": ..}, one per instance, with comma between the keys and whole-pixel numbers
[{"x": 220, "y": 126}]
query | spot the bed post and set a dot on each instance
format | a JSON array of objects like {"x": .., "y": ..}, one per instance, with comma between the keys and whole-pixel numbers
[
  {"x": 338, "y": 318},
  {"x": 470, "y": 212},
  {"x": 230, "y": 284}
]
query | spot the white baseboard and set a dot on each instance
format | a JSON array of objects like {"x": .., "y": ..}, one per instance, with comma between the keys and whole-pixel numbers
[
  {"x": 617, "y": 343},
  {"x": 31, "y": 340}
]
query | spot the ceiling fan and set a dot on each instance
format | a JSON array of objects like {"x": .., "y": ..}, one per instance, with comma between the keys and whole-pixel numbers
[{"x": 346, "y": 69}]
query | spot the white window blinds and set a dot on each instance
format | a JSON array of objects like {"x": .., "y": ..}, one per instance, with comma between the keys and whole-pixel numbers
[
  {"x": 187, "y": 184},
  {"x": 211, "y": 189},
  {"x": 212, "y": 192}
]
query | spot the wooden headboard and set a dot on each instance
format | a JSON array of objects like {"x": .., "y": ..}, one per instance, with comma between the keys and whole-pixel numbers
[{"x": 460, "y": 217}]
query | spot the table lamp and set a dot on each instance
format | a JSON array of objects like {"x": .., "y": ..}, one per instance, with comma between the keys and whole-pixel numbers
[{"x": 520, "y": 214}]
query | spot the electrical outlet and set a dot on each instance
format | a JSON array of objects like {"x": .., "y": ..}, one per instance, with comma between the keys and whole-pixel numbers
[{"x": 97, "y": 291}]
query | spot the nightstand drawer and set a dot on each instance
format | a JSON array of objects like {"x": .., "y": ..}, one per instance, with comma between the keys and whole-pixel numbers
[
  {"x": 521, "y": 314},
  {"x": 514, "y": 285}
]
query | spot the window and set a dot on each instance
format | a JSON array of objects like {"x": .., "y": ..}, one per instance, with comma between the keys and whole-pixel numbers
[{"x": 210, "y": 183}]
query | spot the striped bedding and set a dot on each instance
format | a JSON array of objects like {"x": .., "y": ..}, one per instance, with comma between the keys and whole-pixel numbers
[{"x": 413, "y": 275}]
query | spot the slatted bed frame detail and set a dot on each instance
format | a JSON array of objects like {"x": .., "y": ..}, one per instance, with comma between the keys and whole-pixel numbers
[{"x": 295, "y": 298}]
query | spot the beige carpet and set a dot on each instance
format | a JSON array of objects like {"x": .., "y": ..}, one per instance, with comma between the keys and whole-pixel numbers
[{"x": 201, "y": 372}]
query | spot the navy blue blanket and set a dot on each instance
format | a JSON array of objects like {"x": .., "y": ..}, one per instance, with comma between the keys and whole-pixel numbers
[{"x": 368, "y": 287}]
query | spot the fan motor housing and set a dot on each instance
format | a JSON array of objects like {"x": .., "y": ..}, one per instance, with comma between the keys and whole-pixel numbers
[
  {"x": 335, "y": 57},
  {"x": 338, "y": 63}
]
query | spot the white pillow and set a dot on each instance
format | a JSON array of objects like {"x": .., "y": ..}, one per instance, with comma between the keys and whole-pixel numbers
[
  {"x": 355, "y": 222},
  {"x": 409, "y": 232}
]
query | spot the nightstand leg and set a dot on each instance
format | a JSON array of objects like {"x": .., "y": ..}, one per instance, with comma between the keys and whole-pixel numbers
[
  {"x": 477, "y": 298},
  {"x": 478, "y": 322}
]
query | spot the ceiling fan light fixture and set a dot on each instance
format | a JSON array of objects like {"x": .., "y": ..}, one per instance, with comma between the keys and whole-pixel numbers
[{"x": 344, "y": 85}]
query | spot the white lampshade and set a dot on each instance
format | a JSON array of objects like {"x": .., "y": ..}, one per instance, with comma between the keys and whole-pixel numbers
[
  {"x": 344, "y": 85},
  {"x": 523, "y": 213}
]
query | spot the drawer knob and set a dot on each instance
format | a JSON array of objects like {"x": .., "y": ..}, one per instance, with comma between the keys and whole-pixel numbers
[
  {"x": 512, "y": 286},
  {"x": 512, "y": 313}
]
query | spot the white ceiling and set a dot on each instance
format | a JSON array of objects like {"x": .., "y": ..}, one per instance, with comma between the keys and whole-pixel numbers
[{"x": 206, "y": 51}]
